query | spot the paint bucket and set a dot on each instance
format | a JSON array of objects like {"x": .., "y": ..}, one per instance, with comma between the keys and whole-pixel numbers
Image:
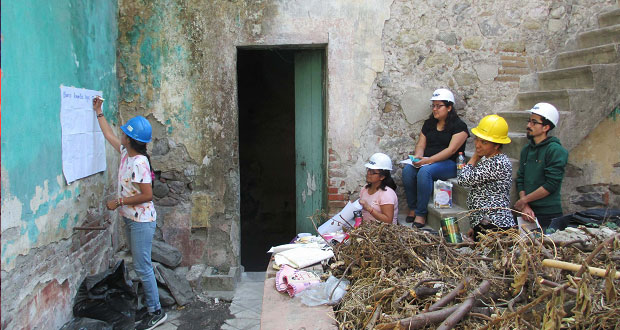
[{"x": 450, "y": 230}]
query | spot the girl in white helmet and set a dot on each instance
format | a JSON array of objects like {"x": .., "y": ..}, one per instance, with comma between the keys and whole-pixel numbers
[
  {"x": 378, "y": 198},
  {"x": 135, "y": 204},
  {"x": 443, "y": 136}
]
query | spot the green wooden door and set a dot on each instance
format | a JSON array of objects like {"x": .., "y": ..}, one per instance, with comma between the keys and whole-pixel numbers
[{"x": 309, "y": 132}]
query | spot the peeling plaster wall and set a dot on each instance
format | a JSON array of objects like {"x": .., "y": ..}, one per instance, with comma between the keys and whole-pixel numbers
[
  {"x": 384, "y": 58},
  {"x": 592, "y": 177},
  {"x": 177, "y": 63},
  {"x": 46, "y": 44}
]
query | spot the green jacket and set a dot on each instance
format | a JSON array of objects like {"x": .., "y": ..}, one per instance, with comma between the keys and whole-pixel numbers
[{"x": 543, "y": 165}]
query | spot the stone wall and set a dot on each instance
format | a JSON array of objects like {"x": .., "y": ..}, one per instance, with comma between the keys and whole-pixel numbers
[
  {"x": 593, "y": 172},
  {"x": 177, "y": 62},
  {"x": 46, "y": 44}
]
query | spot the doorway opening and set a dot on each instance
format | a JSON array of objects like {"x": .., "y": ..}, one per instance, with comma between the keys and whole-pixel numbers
[
  {"x": 266, "y": 152},
  {"x": 281, "y": 147}
]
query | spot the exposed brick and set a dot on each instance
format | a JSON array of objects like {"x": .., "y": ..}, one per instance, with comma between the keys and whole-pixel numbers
[
  {"x": 331, "y": 151},
  {"x": 514, "y": 64},
  {"x": 331, "y": 190},
  {"x": 332, "y": 158},
  {"x": 334, "y": 165},
  {"x": 335, "y": 173},
  {"x": 512, "y": 58},
  {"x": 335, "y": 197},
  {"x": 507, "y": 78},
  {"x": 342, "y": 183},
  {"x": 514, "y": 71}
]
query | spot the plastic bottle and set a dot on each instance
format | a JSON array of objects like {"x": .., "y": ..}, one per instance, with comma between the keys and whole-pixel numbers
[{"x": 460, "y": 163}]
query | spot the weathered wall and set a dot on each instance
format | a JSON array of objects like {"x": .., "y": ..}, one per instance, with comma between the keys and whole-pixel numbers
[
  {"x": 46, "y": 44},
  {"x": 479, "y": 50},
  {"x": 593, "y": 171},
  {"x": 384, "y": 58},
  {"x": 177, "y": 64}
]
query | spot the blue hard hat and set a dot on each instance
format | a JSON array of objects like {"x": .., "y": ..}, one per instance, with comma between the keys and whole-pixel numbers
[{"x": 138, "y": 128}]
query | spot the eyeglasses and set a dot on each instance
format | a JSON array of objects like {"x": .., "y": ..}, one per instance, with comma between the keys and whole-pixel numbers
[
  {"x": 534, "y": 122},
  {"x": 437, "y": 106},
  {"x": 370, "y": 172}
]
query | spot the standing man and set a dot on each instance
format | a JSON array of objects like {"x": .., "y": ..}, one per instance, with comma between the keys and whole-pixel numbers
[{"x": 541, "y": 167}]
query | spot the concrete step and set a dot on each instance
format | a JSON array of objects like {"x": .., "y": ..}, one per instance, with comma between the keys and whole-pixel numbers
[
  {"x": 598, "y": 37},
  {"x": 563, "y": 99},
  {"x": 609, "y": 18},
  {"x": 569, "y": 78},
  {"x": 517, "y": 120},
  {"x": 605, "y": 54},
  {"x": 517, "y": 142}
]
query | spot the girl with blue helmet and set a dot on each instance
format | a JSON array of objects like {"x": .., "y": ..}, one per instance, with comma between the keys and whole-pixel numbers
[{"x": 135, "y": 203}]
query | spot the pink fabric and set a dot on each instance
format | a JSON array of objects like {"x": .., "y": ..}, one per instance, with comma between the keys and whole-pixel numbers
[
  {"x": 381, "y": 197},
  {"x": 294, "y": 281}
]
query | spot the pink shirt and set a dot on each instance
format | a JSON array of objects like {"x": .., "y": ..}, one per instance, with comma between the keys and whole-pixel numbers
[{"x": 381, "y": 197}]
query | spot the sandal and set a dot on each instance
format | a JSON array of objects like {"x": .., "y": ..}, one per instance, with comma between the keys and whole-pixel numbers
[
  {"x": 419, "y": 225},
  {"x": 409, "y": 219}
]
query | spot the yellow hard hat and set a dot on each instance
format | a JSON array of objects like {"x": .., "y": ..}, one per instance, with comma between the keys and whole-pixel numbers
[{"x": 492, "y": 128}]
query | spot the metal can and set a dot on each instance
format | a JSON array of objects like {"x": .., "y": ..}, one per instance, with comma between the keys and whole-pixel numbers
[{"x": 450, "y": 230}]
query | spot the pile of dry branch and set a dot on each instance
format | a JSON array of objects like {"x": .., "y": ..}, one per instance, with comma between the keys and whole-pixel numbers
[{"x": 407, "y": 279}]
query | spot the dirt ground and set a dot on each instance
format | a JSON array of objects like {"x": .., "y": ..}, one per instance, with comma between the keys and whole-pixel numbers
[{"x": 200, "y": 315}]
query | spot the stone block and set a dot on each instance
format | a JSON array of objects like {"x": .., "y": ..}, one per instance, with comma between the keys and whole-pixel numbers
[
  {"x": 194, "y": 275},
  {"x": 165, "y": 298},
  {"x": 166, "y": 254},
  {"x": 415, "y": 104},
  {"x": 512, "y": 46},
  {"x": 160, "y": 189},
  {"x": 213, "y": 281},
  {"x": 179, "y": 286},
  {"x": 472, "y": 43}
]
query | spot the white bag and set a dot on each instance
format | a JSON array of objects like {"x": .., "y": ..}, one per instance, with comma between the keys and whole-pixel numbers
[
  {"x": 442, "y": 194},
  {"x": 343, "y": 218}
]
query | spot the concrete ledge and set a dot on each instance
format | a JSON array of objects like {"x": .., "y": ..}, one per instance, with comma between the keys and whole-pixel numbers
[
  {"x": 282, "y": 312},
  {"x": 213, "y": 281}
]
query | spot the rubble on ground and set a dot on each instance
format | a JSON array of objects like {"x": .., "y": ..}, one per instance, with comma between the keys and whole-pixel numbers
[{"x": 403, "y": 278}]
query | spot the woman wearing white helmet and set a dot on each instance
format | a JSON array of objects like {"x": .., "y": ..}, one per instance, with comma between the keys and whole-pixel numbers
[
  {"x": 135, "y": 204},
  {"x": 443, "y": 136},
  {"x": 378, "y": 198}
]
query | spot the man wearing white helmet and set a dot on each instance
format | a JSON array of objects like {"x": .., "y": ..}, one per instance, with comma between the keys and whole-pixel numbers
[{"x": 541, "y": 167}]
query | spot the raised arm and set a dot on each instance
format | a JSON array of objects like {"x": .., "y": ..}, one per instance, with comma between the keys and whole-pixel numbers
[{"x": 108, "y": 133}]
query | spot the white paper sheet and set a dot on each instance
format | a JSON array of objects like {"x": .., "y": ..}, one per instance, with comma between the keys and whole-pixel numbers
[
  {"x": 530, "y": 226},
  {"x": 83, "y": 144}
]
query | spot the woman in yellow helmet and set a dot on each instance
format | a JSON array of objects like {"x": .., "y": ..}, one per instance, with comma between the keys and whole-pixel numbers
[{"x": 489, "y": 175}]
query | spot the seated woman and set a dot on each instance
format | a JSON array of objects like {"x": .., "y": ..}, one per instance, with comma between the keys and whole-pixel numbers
[
  {"x": 378, "y": 198},
  {"x": 489, "y": 175},
  {"x": 443, "y": 136}
]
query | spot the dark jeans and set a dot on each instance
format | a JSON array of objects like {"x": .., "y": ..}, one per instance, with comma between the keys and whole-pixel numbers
[{"x": 545, "y": 219}]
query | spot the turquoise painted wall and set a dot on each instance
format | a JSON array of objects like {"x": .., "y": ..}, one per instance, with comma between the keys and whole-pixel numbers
[{"x": 47, "y": 44}]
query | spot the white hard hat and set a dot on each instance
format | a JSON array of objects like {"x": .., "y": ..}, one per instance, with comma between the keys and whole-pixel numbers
[
  {"x": 379, "y": 161},
  {"x": 547, "y": 111},
  {"x": 442, "y": 94}
]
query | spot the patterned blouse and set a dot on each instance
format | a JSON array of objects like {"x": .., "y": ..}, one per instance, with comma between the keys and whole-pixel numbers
[
  {"x": 134, "y": 170},
  {"x": 490, "y": 181}
]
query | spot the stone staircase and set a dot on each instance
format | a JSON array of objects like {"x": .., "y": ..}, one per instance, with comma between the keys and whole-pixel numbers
[{"x": 583, "y": 85}]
